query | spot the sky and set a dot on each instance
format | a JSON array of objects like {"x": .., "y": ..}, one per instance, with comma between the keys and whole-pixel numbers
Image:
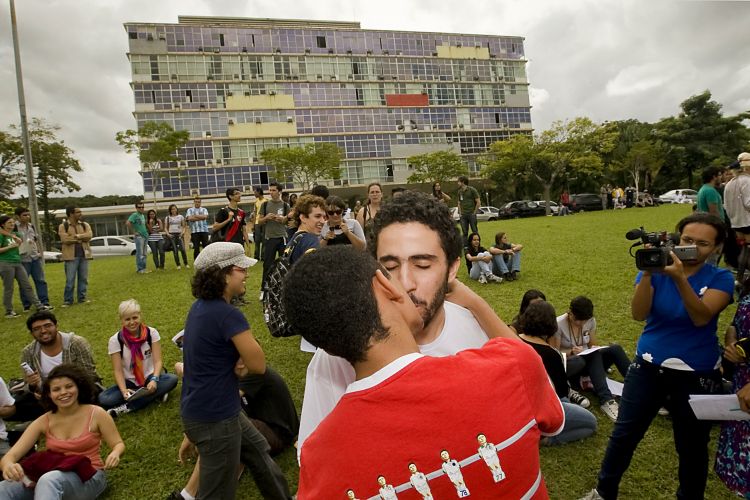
[{"x": 608, "y": 60}]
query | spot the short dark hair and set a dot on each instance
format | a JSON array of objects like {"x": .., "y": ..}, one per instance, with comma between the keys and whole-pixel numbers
[
  {"x": 539, "y": 320},
  {"x": 709, "y": 173},
  {"x": 40, "y": 316},
  {"x": 397, "y": 190},
  {"x": 258, "y": 189},
  {"x": 231, "y": 190},
  {"x": 340, "y": 278},
  {"x": 708, "y": 219},
  {"x": 77, "y": 375},
  {"x": 71, "y": 209},
  {"x": 209, "y": 283},
  {"x": 582, "y": 308},
  {"x": 21, "y": 210},
  {"x": 4, "y": 219},
  {"x": 418, "y": 207},
  {"x": 463, "y": 179},
  {"x": 320, "y": 190},
  {"x": 335, "y": 201},
  {"x": 276, "y": 185}
]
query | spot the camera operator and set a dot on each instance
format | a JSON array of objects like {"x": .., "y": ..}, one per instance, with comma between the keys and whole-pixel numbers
[{"x": 678, "y": 354}]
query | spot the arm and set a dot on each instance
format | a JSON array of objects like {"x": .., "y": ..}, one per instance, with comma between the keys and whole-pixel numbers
[
  {"x": 730, "y": 353},
  {"x": 87, "y": 234},
  {"x": 357, "y": 240},
  {"x": 446, "y": 198},
  {"x": 493, "y": 326},
  {"x": 250, "y": 352},
  {"x": 7, "y": 411},
  {"x": 515, "y": 247},
  {"x": 477, "y": 202},
  {"x": 12, "y": 470},
  {"x": 218, "y": 224},
  {"x": 592, "y": 334},
  {"x": 158, "y": 365},
  {"x": 119, "y": 375},
  {"x": 700, "y": 310},
  {"x": 361, "y": 216},
  {"x": 111, "y": 436},
  {"x": 640, "y": 305},
  {"x": 66, "y": 238}
]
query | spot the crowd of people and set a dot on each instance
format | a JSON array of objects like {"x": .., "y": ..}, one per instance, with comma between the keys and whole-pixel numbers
[{"x": 409, "y": 363}]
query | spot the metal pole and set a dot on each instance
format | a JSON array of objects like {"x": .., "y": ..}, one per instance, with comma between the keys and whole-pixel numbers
[{"x": 33, "y": 207}]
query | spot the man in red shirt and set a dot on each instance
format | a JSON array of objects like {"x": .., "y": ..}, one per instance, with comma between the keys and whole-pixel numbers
[{"x": 405, "y": 408}]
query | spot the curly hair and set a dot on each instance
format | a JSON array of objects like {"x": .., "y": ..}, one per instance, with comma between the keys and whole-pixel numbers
[
  {"x": 77, "y": 375},
  {"x": 339, "y": 278},
  {"x": 209, "y": 283},
  {"x": 305, "y": 204},
  {"x": 539, "y": 320},
  {"x": 413, "y": 206}
]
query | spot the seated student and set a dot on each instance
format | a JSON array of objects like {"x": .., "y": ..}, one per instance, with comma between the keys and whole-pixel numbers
[
  {"x": 7, "y": 409},
  {"x": 538, "y": 324},
  {"x": 479, "y": 261},
  {"x": 506, "y": 257},
  {"x": 531, "y": 296},
  {"x": 499, "y": 391},
  {"x": 577, "y": 333},
  {"x": 135, "y": 352}
]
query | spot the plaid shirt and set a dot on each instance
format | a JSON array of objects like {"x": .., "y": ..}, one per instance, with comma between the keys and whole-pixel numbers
[{"x": 76, "y": 350}]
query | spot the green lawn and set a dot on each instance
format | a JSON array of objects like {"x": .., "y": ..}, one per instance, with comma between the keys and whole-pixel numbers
[{"x": 563, "y": 256}]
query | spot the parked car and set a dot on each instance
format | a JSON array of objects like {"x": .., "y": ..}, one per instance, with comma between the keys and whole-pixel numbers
[
  {"x": 679, "y": 196},
  {"x": 554, "y": 208},
  {"x": 52, "y": 256},
  {"x": 521, "y": 208},
  {"x": 105, "y": 246},
  {"x": 484, "y": 214},
  {"x": 585, "y": 202}
]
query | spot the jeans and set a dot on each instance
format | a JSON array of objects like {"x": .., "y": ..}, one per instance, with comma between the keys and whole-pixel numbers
[
  {"x": 466, "y": 221},
  {"x": 35, "y": 271},
  {"x": 648, "y": 387},
  {"x": 480, "y": 267},
  {"x": 271, "y": 248},
  {"x": 10, "y": 271},
  {"x": 77, "y": 267},
  {"x": 222, "y": 446},
  {"x": 111, "y": 397},
  {"x": 56, "y": 485},
  {"x": 579, "y": 424},
  {"x": 596, "y": 365},
  {"x": 258, "y": 241},
  {"x": 199, "y": 240},
  {"x": 178, "y": 245},
  {"x": 157, "y": 252},
  {"x": 140, "y": 252},
  {"x": 500, "y": 267}
]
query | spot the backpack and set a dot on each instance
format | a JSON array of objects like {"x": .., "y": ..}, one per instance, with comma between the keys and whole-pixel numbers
[{"x": 273, "y": 307}]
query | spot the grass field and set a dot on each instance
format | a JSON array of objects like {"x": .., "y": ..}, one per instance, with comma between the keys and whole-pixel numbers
[{"x": 563, "y": 256}]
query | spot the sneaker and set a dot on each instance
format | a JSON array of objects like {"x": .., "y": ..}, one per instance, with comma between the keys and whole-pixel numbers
[
  {"x": 178, "y": 267},
  {"x": 493, "y": 278},
  {"x": 578, "y": 398},
  {"x": 482, "y": 279},
  {"x": 592, "y": 495},
  {"x": 144, "y": 271},
  {"x": 514, "y": 274},
  {"x": 586, "y": 384},
  {"x": 26, "y": 309},
  {"x": 663, "y": 412},
  {"x": 611, "y": 408},
  {"x": 84, "y": 301},
  {"x": 165, "y": 397},
  {"x": 118, "y": 410},
  {"x": 66, "y": 304},
  {"x": 44, "y": 308},
  {"x": 261, "y": 296},
  {"x": 176, "y": 495},
  {"x": 12, "y": 314},
  {"x": 508, "y": 277}
]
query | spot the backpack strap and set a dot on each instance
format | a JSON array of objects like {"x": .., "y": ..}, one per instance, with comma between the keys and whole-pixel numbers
[
  {"x": 264, "y": 208},
  {"x": 293, "y": 243},
  {"x": 122, "y": 343}
]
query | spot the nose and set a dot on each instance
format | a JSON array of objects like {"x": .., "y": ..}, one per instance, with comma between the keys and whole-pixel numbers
[{"x": 407, "y": 279}]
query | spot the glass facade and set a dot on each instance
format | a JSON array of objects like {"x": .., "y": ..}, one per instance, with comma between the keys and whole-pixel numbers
[{"x": 240, "y": 86}]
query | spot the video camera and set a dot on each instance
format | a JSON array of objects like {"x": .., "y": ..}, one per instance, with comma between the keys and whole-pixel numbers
[{"x": 661, "y": 244}]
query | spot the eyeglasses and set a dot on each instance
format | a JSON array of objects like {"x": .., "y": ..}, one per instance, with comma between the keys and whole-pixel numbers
[
  {"x": 42, "y": 327},
  {"x": 239, "y": 269},
  {"x": 334, "y": 212}
]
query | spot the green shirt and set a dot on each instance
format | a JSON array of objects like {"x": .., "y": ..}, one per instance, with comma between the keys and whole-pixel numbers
[
  {"x": 273, "y": 229},
  {"x": 707, "y": 195},
  {"x": 138, "y": 221},
  {"x": 12, "y": 255},
  {"x": 467, "y": 200}
]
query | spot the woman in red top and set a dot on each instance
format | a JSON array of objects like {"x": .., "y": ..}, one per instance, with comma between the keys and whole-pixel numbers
[{"x": 72, "y": 426}]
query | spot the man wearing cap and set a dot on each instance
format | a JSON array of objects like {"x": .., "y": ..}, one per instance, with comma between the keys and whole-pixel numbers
[
  {"x": 218, "y": 347},
  {"x": 737, "y": 205}
]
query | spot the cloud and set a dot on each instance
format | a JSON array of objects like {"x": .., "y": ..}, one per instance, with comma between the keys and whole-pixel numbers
[{"x": 538, "y": 97}]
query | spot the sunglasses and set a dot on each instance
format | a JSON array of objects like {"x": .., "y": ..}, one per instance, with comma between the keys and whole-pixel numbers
[{"x": 334, "y": 212}]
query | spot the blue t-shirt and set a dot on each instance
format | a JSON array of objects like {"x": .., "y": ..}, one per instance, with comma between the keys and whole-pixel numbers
[
  {"x": 670, "y": 338},
  {"x": 210, "y": 390},
  {"x": 304, "y": 243}
]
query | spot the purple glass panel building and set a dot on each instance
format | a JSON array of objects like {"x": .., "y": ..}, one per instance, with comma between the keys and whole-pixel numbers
[{"x": 241, "y": 85}]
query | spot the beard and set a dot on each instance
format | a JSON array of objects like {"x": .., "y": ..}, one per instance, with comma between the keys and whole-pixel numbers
[{"x": 428, "y": 309}]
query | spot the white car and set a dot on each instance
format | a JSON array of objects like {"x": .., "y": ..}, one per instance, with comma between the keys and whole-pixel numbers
[
  {"x": 51, "y": 256},
  {"x": 679, "y": 196},
  {"x": 554, "y": 208},
  {"x": 105, "y": 246},
  {"x": 483, "y": 214}
]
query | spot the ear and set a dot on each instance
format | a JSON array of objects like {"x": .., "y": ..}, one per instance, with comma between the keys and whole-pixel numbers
[
  {"x": 386, "y": 288},
  {"x": 453, "y": 269}
]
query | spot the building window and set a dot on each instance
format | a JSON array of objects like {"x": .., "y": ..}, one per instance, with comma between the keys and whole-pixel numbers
[
  {"x": 133, "y": 35},
  {"x": 321, "y": 42}
]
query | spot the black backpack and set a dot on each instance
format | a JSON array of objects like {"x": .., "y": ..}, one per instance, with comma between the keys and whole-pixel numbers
[{"x": 273, "y": 307}]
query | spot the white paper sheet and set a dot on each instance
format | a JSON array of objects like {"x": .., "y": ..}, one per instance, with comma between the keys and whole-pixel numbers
[
  {"x": 717, "y": 407},
  {"x": 615, "y": 387}
]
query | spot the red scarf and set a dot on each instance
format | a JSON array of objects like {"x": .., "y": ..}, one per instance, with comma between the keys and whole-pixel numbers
[{"x": 135, "y": 343}]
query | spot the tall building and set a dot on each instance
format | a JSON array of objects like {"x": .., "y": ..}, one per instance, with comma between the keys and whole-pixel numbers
[{"x": 240, "y": 85}]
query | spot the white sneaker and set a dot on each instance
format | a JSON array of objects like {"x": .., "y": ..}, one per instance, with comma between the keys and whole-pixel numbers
[
  {"x": 482, "y": 279},
  {"x": 592, "y": 495},
  {"x": 610, "y": 408},
  {"x": 118, "y": 410},
  {"x": 494, "y": 278},
  {"x": 261, "y": 296},
  {"x": 178, "y": 267},
  {"x": 663, "y": 412}
]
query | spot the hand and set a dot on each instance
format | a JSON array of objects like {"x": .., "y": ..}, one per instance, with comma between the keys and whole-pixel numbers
[
  {"x": 345, "y": 227},
  {"x": 231, "y": 215},
  {"x": 676, "y": 269},
  {"x": 113, "y": 459},
  {"x": 576, "y": 350},
  {"x": 187, "y": 450},
  {"x": 151, "y": 387},
  {"x": 731, "y": 354},
  {"x": 13, "y": 472},
  {"x": 240, "y": 370},
  {"x": 487, "y": 258},
  {"x": 34, "y": 380},
  {"x": 743, "y": 395},
  {"x": 127, "y": 393},
  {"x": 330, "y": 234}
]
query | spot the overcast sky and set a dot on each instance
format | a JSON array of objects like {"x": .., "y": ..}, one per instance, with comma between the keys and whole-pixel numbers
[{"x": 608, "y": 60}]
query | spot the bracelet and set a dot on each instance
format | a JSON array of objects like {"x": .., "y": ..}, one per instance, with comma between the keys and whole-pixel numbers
[{"x": 152, "y": 377}]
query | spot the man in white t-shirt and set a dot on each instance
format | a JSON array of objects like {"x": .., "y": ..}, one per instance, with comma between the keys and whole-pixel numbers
[
  {"x": 416, "y": 240},
  {"x": 7, "y": 409}
]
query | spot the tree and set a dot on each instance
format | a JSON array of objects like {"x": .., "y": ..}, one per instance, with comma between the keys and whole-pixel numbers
[
  {"x": 11, "y": 158},
  {"x": 570, "y": 147},
  {"x": 154, "y": 142},
  {"x": 700, "y": 135},
  {"x": 439, "y": 166},
  {"x": 304, "y": 165},
  {"x": 636, "y": 153}
]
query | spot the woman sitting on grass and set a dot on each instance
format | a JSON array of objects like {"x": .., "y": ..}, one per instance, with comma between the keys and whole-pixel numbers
[
  {"x": 479, "y": 261},
  {"x": 72, "y": 428},
  {"x": 135, "y": 352},
  {"x": 538, "y": 324}
]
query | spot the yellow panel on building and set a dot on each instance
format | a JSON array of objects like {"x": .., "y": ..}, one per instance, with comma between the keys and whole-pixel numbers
[
  {"x": 265, "y": 101},
  {"x": 255, "y": 130},
  {"x": 453, "y": 52}
]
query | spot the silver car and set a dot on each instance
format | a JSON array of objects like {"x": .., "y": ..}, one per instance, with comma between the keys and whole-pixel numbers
[{"x": 105, "y": 246}]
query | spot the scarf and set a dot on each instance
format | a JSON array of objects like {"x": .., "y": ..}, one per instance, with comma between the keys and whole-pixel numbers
[{"x": 135, "y": 344}]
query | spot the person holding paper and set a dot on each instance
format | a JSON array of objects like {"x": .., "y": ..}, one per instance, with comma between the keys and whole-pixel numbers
[
  {"x": 576, "y": 337},
  {"x": 677, "y": 355}
]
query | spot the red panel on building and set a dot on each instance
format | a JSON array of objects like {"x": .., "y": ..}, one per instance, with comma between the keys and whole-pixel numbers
[{"x": 406, "y": 100}]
